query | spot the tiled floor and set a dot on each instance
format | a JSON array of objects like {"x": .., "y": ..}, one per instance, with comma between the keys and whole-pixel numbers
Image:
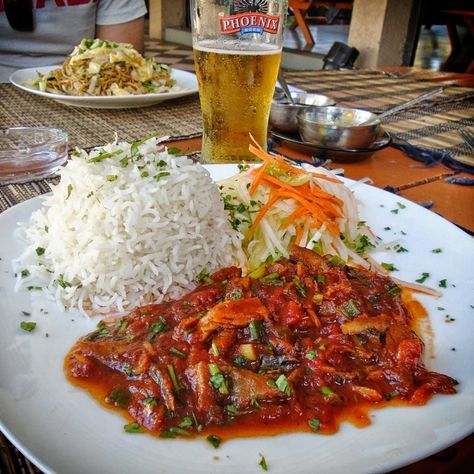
[{"x": 433, "y": 46}]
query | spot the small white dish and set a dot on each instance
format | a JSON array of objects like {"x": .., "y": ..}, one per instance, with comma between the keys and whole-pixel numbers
[{"x": 186, "y": 81}]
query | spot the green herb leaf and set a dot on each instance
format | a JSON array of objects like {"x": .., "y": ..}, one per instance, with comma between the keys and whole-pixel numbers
[
  {"x": 314, "y": 424},
  {"x": 443, "y": 283},
  {"x": 214, "y": 440},
  {"x": 187, "y": 421},
  {"x": 283, "y": 385},
  {"x": 310, "y": 355},
  {"x": 217, "y": 380},
  {"x": 177, "y": 353},
  {"x": 120, "y": 397},
  {"x": 62, "y": 282},
  {"x": 172, "y": 150},
  {"x": 335, "y": 261},
  {"x": 133, "y": 428},
  {"x": 437, "y": 250},
  {"x": 102, "y": 156},
  {"x": 25, "y": 273},
  {"x": 112, "y": 177},
  {"x": 255, "y": 329},
  {"x": 27, "y": 326},
  {"x": 174, "y": 378},
  {"x": 327, "y": 391},
  {"x": 423, "y": 277},
  {"x": 350, "y": 309},
  {"x": 179, "y": 431},
  {"x": 160, "y": 175},
  {"x": 40, "y": 251},
  {"x": 263, "y": 463},
  {"x": 215, "y": 350},
  {"x": 150, "y": 401},
  {"x": 389, "y": 266},
  {"x": 69, "y": 191},
  {"x": 25, "y": 313}
]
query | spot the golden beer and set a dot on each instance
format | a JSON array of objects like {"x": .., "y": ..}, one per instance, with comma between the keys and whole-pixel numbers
[{"x": 235, "y": 89}]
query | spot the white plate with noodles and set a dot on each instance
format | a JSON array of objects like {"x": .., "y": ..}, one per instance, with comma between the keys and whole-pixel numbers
[
  {"x": 63, "y": 430},
  {"x": 186, "y": 84}
]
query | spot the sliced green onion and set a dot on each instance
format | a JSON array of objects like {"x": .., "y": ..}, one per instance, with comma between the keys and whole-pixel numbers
[
  {"x": 133, "y": 428},
  {"x": 314, "y": 424},
  {"x": 214, "y": 440}
]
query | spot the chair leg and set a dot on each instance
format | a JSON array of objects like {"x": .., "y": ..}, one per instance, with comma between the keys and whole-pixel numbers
[{"x": 303, "y": 25}]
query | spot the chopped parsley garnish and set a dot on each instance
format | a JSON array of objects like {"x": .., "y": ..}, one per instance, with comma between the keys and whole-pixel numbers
[
  {"x": 161, "y": 174},
  {"x": 102, "y": 332},
  {"x": 399, "y": 249},
  {"x": 25, "y": 273},
  {"x": 187, "y": 421},
  {"x": 400, "y": 205},
  {"x": 150, "y": 401},
  {"x": 350, "y": 309},
  {"x": 40, "y": 251},
  {"x": 387, "y": 228},
  {"x": 389, "y": 267},
  {"x": 203, "y": 276},
  {"x": 112, "y": 177},
  {"x": 102, "y": 156},
  {"x": 174, "y": 378},
  {"x": 437, "y": 250},
  {"x": 300, "y": 289},
  {"x": 314, "y": 424},
  {"x": 255, "y": 329},
  {"x": 263, "y": 463},
  {"x": 25, "y": 313},
  {"x": 443, "y": 283},
  {"x": 62, "y": 282},
  {"x": 69, "y": 191},
  {"x": 335, "y": 261},
  {"x": 214, "y": 440},
  {"x": 157, "y": 327},
  {"x": 423, "y": 277},
  {"x": 283, "y": 385},
  {"x": 239, "y": 360},
  {"x": 217, "y": 380},
  {"x": 177, "y": 353},
  {"x": 327, "y": 391},
  {"x": 27, "y": 326},
  {"x": 310, "y": 355},
  {"x": 173, "y": 150},
  {"x": 120, "y": 397},
  {"x": 133, "y": 428}
]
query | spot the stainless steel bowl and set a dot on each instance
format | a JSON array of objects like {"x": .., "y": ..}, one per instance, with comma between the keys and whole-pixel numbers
[
  {"x": 283, "y": 114},
  {"x": 338, "y": 127}
]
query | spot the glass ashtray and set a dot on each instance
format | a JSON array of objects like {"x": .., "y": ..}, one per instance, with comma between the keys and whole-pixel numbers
[{"x": 31, "y": 153}]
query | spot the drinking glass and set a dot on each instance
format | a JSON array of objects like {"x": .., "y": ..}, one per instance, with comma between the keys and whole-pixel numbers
[{"x": 237, "y": 53}]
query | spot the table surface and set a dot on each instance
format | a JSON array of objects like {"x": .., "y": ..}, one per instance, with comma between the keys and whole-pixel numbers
[{"x": 389, "y": 168}]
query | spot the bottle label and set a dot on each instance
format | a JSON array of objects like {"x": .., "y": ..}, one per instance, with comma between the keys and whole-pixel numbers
[{"x": 250, "y": 23}]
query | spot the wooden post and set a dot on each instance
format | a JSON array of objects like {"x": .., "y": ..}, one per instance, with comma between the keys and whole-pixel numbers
[
  {"x": 164, "y": 14},
  {"x": 385, "y": 31}
]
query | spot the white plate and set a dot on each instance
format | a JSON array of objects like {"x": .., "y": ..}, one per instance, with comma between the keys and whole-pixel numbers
[
  {"x": 184, "y": 79},
  {"x": 63, "y": 430}
]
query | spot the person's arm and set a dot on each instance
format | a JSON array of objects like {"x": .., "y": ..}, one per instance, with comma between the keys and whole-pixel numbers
[{"x": 130, "y": 32}]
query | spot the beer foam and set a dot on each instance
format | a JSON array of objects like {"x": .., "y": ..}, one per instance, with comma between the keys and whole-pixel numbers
[{"x": 237, "y": 47}]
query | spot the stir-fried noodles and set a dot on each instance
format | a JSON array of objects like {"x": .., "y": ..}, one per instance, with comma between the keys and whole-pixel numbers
[{"x": 100, "y": 67}]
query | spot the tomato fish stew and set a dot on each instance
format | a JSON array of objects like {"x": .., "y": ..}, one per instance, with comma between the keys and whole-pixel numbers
[{"x": 304, "y": 344}]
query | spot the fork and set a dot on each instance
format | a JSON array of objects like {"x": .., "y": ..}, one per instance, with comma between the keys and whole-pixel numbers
[{"x": 468, "y": 137}]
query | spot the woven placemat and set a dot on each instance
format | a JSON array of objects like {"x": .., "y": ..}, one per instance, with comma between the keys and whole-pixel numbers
[
  {"x": 433, "y": 124},
  {"x": 179, "y": 118}
]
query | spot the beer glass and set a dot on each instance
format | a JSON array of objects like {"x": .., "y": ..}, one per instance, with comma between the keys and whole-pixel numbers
[{"x": 237, "y": 52}]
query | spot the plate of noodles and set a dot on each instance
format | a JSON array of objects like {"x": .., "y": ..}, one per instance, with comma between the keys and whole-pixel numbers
[
  {"x": 63, "y": 429},
  {"x": 104, "y": 74}
]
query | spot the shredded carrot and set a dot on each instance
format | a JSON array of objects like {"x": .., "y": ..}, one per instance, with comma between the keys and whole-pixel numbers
[
  {"x": 327, "y": 178},
  {"x": 258, "y": 178},
  {"x": 293, "y": 216},
  {"x": 261, "y": 214},
  {"x": 299, "y": 234}
]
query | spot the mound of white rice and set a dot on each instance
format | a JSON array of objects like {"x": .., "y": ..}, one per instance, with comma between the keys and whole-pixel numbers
[{"x": 126, "y": 224}]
